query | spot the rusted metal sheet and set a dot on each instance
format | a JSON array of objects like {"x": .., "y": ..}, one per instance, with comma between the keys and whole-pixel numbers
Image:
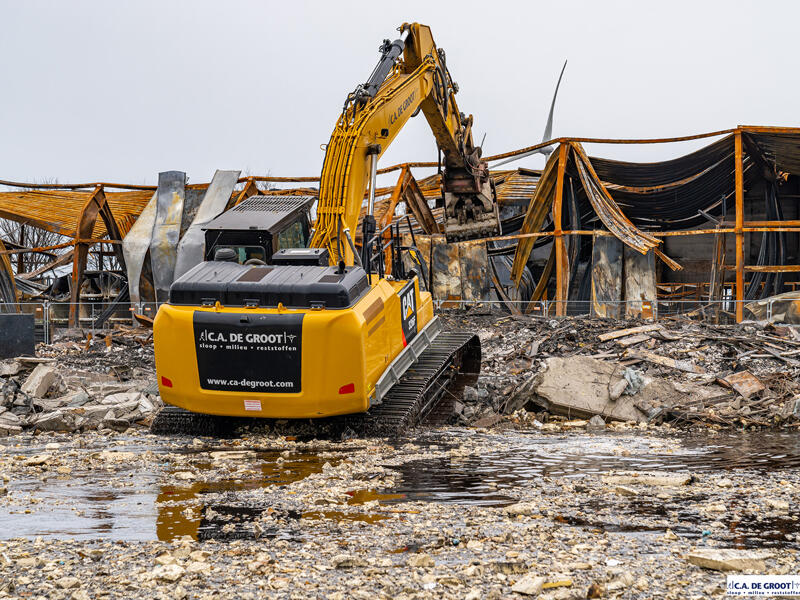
[
  {"x": 191, "y": 248},
  {"x": 606, "y": 277},
  {"x": 537, "y": 211},
  {"x": 166, "y": 230},
  {"x": 136, "y": 245},
  {"x": 640, "y": 284},
  {"x": 419, "y": 206},
  {"x": 461, "y": 271},
  {"x": 745, "y": 383},
  {"x": 59, "y": 210},
  {"x": 606, "y": 209}
]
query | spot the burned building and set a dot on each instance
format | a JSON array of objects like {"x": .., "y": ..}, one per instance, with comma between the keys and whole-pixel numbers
[{"x": 710, "y": 233}]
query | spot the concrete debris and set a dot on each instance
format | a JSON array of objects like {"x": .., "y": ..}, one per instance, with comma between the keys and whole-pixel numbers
[
  {"x": 719, "y": 559},
  {"x": 580, "y": 386},
  {"x": 648, "y": 479},
  {"x": 170, "y": 572},
  {"x": 421, "y": 560},
  {"x": 596, "y": 423},
  {"x": 530, "y": 585},
  {"x": 78, "y": 388},
  {"x": 346, "y": 561},
  {"x": 10, "y": 367},
  {"x": 55, "y": 421},
  {"x": 40, "y": 381},
  {"x": 675, "y": 371}
]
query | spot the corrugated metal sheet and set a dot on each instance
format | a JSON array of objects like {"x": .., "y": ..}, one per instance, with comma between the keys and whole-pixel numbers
[{"x": 58, "y": 210}]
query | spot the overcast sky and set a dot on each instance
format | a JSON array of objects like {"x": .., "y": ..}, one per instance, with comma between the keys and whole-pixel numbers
[{"x": 118, "y": 91}]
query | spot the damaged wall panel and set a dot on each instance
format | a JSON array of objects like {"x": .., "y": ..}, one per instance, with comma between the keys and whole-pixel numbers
[
  {"x": 639, "y": 272},
  {"x": 446, "y": 270},
  {"x": 460, "y": 270},
  {"x": 606, "y": 276}
]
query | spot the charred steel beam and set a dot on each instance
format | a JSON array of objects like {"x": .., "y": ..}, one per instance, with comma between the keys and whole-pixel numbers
[{"x": 739, "y": 231}]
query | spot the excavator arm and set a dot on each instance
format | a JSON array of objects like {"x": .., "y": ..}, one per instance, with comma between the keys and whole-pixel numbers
[{"x": 411, "y": 76}]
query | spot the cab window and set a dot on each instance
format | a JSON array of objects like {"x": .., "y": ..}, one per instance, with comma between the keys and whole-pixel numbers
[
  {"x": 292, "y": 237},
  {"x": 245, "y": 253}
]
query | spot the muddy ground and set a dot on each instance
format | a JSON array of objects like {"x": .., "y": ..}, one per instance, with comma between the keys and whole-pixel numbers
[{"x": 535, "y": 504}]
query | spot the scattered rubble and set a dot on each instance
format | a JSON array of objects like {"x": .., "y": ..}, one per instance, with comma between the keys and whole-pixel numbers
[
  {"x": 678, "y": 371},
  {"x": 266, "y": 515},
  {"x": 76, "y": 386}
]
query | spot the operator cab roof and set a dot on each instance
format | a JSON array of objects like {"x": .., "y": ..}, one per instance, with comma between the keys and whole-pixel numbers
[{"x": 265, "y": 213}]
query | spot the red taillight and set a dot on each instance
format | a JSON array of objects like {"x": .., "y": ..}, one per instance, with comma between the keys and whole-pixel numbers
[
  {"x": 166, "y": 382},
  {"x": 347, "y": 389}
]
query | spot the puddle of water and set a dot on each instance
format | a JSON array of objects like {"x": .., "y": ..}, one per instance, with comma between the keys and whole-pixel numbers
[
  {"x": 179, "y": 515},
  {"x": 129, "y": 503},
  {"x": 481, "y": 480}
]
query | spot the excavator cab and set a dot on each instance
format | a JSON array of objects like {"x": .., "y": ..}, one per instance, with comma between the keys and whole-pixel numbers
[{"x": 255, "y": 229}]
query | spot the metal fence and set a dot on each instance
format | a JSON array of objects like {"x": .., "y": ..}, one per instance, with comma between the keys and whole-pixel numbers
[{"x": 94, "y": 317}]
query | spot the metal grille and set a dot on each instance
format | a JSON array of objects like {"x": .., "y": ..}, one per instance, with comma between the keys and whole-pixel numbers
[{"x": 277, "y": 204}]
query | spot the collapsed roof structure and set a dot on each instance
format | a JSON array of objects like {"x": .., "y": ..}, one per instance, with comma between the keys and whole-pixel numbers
[{"x": 586, "y": 234}]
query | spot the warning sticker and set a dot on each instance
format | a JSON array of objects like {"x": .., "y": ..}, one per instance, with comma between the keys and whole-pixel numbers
[
  {"x": 248, "y": 352},
  {"x": 408, "y": 312}
]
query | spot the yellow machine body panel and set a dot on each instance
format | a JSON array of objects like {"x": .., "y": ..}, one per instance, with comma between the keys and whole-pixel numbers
[{"x": 219, "y": 360}]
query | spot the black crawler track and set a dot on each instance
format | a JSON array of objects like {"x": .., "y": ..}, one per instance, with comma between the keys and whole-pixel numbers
[{"x": 451, "y": 361}]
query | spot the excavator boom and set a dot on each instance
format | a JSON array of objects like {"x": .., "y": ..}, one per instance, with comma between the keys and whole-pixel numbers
[{"x": 373, "y": 115}]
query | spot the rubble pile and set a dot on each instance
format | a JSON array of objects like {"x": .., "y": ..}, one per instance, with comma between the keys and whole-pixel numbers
[
  {"x": 79, "y": 386},
  {"x": 673, "y": 370}
]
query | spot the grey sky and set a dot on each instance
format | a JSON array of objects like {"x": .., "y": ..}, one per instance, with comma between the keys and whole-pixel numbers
[{"x": 118, "y": 91}]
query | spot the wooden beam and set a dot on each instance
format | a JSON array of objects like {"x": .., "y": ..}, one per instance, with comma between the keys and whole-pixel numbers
[
  {"x": 562, "y": 266},
  {"x": 739, "y": 232}
]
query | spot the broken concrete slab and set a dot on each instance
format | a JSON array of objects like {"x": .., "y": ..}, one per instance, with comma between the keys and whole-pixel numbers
[
  {"x": 78, "y": 398},
  {"x": 722, "y": 559},
  {"x": 648, "y": 479},
  {"x": 40, "y": 381},
  {"x": 55, "y": 421},
  {"x": 122, "y": 397},
  {"x": 530, "y": 585},
  {"x": 10, "y": 367},
  {"x": 580, "y": 387},
  {"x": 10, "y": 424}
]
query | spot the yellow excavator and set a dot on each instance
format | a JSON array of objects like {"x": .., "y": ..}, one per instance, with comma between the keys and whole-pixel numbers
[{"x": 260, "y": 330}]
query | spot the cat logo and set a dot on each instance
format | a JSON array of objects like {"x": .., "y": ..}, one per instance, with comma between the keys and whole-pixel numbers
[{"x": 408, "y": 312}]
